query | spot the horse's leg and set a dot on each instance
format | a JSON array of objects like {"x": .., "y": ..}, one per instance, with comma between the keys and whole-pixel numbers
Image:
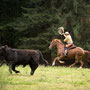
[
  {"x": 81, "y": 62},
  {"x": 61, "y": 61},
  {"x": 72, "y": 64},
  {"x": 77, "y": 58},
  {"x": 57, "y": 58}
]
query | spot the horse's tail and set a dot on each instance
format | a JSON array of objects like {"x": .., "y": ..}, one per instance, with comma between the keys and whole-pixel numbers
[
  {"x": 41, "y": 58},
  {"x": 87, "y": 55}
]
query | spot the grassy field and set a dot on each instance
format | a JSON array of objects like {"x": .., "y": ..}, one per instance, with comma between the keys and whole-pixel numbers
[{"x": 45, "y": 78}]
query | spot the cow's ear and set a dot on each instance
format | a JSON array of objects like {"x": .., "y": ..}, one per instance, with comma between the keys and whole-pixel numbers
[{"x": 5, "y": 46}]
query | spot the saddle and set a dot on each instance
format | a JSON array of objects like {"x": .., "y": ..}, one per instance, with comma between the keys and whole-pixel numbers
[{"x": 71, "y": 47}]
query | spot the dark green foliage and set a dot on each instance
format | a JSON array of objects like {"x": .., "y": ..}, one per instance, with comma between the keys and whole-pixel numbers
[{"x": 9, "y": 9}]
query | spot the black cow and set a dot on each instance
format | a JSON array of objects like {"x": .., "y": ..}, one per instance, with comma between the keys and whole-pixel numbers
[{"x": 16, "y": 57}]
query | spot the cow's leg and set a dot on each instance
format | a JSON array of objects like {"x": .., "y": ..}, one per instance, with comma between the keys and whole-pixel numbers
[
  {"x": 33, "y": 67},
  {"x": 1, "y": 64},
  {"x": 13, "y": 68},
  {"x": 10, "y": 69}
]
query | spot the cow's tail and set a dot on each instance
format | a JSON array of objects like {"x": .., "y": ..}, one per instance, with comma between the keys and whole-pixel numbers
[{"x": 42, "y": 60}]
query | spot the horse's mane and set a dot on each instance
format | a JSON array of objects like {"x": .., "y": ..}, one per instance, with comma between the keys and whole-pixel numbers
[{"x": 58, "y": 40}]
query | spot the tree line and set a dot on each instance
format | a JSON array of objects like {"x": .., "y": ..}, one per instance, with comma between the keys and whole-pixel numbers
[{"x": 33, "y": 23}]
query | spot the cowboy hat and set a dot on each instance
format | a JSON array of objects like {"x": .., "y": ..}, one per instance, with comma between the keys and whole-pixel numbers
[
  {"x": 66, "y": 33},
  {"x": 61, "y": 30}
]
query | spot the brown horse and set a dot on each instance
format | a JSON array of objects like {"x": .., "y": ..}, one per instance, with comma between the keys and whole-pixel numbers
[{"x": 76, "y": 53}]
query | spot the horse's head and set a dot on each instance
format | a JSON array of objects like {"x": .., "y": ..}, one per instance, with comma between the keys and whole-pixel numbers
[{"x": 54, "y": 43}]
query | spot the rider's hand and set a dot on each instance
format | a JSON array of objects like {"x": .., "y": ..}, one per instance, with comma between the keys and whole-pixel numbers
[{"x": 62, "y": 33}]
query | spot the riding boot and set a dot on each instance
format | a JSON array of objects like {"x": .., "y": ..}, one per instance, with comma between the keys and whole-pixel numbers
[{"x": 65, "y": 52}]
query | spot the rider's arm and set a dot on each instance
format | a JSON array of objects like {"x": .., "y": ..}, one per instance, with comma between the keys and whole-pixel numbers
[
  {"x": 64, "y": 35},
  {"x": 66, "y": 39}
]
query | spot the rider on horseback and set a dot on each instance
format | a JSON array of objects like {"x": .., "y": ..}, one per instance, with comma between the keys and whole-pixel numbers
[{"x": 68, "y": 39}]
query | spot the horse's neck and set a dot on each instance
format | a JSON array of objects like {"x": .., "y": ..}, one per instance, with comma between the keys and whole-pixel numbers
[{"x": 60, "y": 48}]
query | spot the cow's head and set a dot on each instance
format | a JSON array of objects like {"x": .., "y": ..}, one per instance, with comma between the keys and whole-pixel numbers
[{"x": 3, "y": 49}]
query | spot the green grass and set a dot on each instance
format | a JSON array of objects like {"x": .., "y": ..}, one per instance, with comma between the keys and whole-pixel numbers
[{"x": 45, "y": 78}]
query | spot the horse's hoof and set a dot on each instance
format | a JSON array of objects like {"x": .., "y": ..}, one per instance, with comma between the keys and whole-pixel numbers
[
  {"x": 70, "y": 66},
  {"x": 52, "y": 65},
  {"x": 62, "y": 62},
  {"x": 80, "y": 67}
]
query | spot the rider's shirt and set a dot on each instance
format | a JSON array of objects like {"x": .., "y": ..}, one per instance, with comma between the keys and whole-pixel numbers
[{"x": 68, "y": 39}]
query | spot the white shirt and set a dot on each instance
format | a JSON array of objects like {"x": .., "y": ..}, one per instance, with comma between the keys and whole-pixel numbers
[{"x": 68, "y": 39}]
